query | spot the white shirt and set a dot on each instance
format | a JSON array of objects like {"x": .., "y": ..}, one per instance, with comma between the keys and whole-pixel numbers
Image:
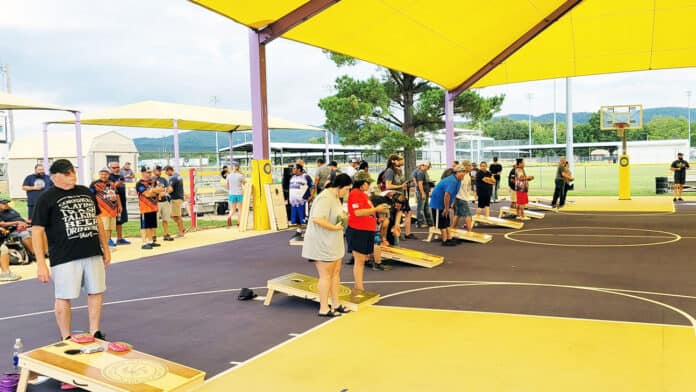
[
  {"x": 350, "y": 171},
  {"x": 465, "y": 189}
]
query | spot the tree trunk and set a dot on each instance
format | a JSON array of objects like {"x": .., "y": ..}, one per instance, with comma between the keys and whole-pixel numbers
[{"x": 408, "y": 127}]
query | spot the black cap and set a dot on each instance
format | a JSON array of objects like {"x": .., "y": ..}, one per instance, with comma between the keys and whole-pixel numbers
[
  {"x": 158, "y": 167},
  {"x": 4, "y": 201},
  {"x": 61, "y": 166}
]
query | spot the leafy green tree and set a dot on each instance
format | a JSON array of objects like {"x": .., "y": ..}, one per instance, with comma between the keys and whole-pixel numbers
[
  {"x": 661, "y": 127},
  {"x": 391, "y": 111}
]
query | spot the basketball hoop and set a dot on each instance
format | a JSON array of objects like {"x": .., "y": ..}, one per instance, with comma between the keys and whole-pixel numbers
[{"x": 620, "y": 128}]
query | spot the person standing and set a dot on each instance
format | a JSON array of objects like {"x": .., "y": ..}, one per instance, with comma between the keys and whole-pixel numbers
[
  {"x": 127, "y": 172},
  {"x": 148, "y": 192},
  {"x": 324, "y": 243},
  {"x": 35, "y": 184},
  {"x": 512, "y": 179},
  {"x": 68, "y": 215},
  {"x": 521, "y": 188},
  {"x": 352, "y": 168},
  {"x": 496, "y": 168},
  {"x": 177, "y": 195},
  {"x": 108, "y": 202},
  {"x": 484, "y": 189},
  {"x": 363, "y": 173},
  {"x": 164, "y": 204},
  {"x": 442, "y": 199},
  {"x": 679, "y": 168},
  {"x": 464, "y": 197},
  {"x": 422, "y": 183},
  {"x": 300, "y": 194},
  {"x": 321, "y": 175},
  {"x": 563, "y": 178},
  {"x": 235, "y": 182},
  {"x": 395, "y": 180},
  {"x": 117, "y": 177}
]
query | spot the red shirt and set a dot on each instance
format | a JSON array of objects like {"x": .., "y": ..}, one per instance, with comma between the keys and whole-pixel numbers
[{"x": 357, "y": 200}]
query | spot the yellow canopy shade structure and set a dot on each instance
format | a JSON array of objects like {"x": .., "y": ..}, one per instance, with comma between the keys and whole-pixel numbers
[
  {"x": 15, "y": 102},
  {"x": 154, "y": 114},
  {"x": 448, "y": 41}
]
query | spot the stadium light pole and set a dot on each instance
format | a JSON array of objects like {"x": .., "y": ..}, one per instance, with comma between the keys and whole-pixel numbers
[
  {"x": 529, "y": 99},
  {"x": 214, "y": 100},
  {"x": 688, "y": 122}
]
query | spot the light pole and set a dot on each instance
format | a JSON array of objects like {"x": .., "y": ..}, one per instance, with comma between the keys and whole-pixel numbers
[
  {"x": 214, "y": 100},
  {"x": 688, "y": 122},
  {"x": 529, "y": 99}
]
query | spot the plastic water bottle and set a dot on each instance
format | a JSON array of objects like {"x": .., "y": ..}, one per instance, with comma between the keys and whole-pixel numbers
[{"x": 18, "y": 348}]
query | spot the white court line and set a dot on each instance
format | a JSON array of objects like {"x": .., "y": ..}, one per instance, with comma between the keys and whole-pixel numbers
[
  {"x": 270, "y": 350},
  {"x": 235, "y": 363},
  {"x": 670, "y": 307},
  {"x": 593, "y": 235},
  {"x": 294, "y": 334}
]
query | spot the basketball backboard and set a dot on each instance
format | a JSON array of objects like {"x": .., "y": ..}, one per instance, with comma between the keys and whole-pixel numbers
[{"x": 616, "y": 117}]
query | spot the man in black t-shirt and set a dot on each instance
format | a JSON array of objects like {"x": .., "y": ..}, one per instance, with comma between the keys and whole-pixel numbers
[
  {"x": 177, "y": 185},
  {"x": 679, "y": 168},
  {"x": 495, "y": 168},
  {"x": 67, "y": 214}
]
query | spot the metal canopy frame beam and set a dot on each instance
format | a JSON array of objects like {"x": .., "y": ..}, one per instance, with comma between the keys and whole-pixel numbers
[{"x": 293, "y": 19}]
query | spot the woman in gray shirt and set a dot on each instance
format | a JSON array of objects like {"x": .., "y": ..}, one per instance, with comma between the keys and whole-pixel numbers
[{"x": 323, "y": 242}]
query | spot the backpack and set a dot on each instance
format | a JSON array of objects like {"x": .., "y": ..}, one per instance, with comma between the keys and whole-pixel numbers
[{"x": 512, "y": 177}]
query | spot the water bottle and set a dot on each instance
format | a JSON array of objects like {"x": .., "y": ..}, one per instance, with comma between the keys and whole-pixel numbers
[{"x": 18, "y": 347}]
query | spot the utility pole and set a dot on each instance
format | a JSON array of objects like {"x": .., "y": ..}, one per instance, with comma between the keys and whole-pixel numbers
[
  {"x": 688, "y": 119},
  {"x": 529, "y": 99},
  {"x": 214, "y": 100},
  {"x": 555, "y": 131},
  {"x": 8, "y": 88}
]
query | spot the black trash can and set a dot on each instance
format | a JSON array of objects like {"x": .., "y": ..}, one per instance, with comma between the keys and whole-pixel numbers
[{"x": 661, "y": 185}]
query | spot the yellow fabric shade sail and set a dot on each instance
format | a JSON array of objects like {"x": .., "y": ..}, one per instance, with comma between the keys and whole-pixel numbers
[
  {"x": 447, "y": 41},
  {"x": 153, "y": 114},
  {"x": 14, "y": 102}
]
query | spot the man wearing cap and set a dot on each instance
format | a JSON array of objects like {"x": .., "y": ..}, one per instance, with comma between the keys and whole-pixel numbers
[
  {"x": 352, "y": 168},
  {"x": 117, "y": 176},
  {"x": 164, "y": 203},
  {"x": 420, "y": 178},
  {"x": 679, "y": 168},
  {"x": 442, "y": 199},
  {"x": 109, "y": 202},
  {"x": 148, "y": 193},
  {"x": 18, "y": 227},
  {"x": 68, "y": 215},
  {"x": 35, "y": 184}
]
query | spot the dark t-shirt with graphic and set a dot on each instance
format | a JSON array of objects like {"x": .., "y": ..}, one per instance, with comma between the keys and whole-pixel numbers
[
  {"x": 44, "y": 182},
  {"x": 682, "y": 165},
  {"x": 70, "y": 220}
]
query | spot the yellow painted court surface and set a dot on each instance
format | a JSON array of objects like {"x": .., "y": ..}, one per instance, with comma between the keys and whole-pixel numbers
[
  {"x": 385, "y": 349},
  {"x": 613, "y": 204}
]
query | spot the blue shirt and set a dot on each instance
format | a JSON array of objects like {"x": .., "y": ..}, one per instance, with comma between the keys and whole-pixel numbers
[
  {"x": 449, "y": 184},
  {"x": 43, "y": 181}
]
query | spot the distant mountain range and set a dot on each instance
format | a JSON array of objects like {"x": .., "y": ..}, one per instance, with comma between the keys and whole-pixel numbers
[
  {"x": 198, "y": 141},
  {"x": 583, "y": 117}
]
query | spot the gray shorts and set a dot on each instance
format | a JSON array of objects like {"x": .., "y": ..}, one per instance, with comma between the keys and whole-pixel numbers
[
  {"x": 88, "y": 274},
  {"x": 22, "y": 235},
  {"x": 461, "y": 208}
]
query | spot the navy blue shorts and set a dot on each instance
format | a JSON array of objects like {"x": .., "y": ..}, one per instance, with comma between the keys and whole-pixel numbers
[
  {"x": 297, "y": 215},
  {"x": 361, "y": 241}
]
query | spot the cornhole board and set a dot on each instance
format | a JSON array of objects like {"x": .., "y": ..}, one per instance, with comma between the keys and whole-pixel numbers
[
  {"x": 540, "y": 206},
  {"x": 412, "y": 256},
  {"x": 548, "y": 201},
  {"x": 108, "y": 371},
  {"x": 305, "y": 286},
  {"x": 481, "y": 238},
  {"x": 497, "y": 222},
  {"x": 513, "y": 212},
  {"x": 246, "y": 206},
  {"x": 275, "y": 201}
]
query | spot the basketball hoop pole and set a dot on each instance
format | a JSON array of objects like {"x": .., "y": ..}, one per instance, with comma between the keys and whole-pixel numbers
[
  {"x": 621, "y": 130},
  {"x": 624, "y": 168}
]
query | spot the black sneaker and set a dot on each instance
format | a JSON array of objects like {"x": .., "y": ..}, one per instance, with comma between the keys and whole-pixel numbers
[
  {"x": 296, "y": 237},
  {"x": 351, "y": 261},
  {"x": 411, "y": 237},
  {"x": 380, "y": 267},
  {"x": 680, "y": 199},
  {"x": 155, "y": 244},
  {"x": 168, "y": 238},
  {"x": 675, "y": 199},
  {"x": 99, "y": 335},
  {"x": 146, "y": 246}
]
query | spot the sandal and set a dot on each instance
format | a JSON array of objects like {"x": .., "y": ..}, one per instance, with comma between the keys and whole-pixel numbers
[
  {"x": 341, "y": 309},
  {"x": 328, "y": 314}
]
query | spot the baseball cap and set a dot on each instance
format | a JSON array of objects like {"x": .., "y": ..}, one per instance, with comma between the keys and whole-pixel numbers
[
  {"x": 458, "y": 169},
  {"x": 158, "y": 167},
  {"x": 104, "y": 169},
  {"x": 4, "y": 201},
  {"x": 61, "y": 166},
  {"x": 146, "y": 169},
  {"x": 353, "y": 160}
]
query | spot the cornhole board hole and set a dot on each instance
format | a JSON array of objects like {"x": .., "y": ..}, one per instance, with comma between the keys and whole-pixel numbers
[
  {"x": 305, "y": 286},
  {"x": 108, "y": 371},
  {"x": 513, "y": 212},
  {"x": 480, "y": 238},
  {"x": 411, "y": 256},
  {"x": 539, "y": 206},
  {"x": 497, "y": 222}
]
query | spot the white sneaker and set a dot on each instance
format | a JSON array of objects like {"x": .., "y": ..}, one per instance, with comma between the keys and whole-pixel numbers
[{"x": 9, "y": 277}]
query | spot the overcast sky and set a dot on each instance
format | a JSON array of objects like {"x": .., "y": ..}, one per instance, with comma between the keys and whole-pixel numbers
[{"x": 93, "y": 54}]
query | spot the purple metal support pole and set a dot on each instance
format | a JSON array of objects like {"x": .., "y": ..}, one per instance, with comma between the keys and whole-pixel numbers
[
  {"x": 259, "y": 105},
  {"x": 78, "y": 143},
  {"x": 229, "y": 135},
  {"x": 449, "y": 128},
  {"x": 45, "y": 146},
  {"x": 175, "y": 126}
]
